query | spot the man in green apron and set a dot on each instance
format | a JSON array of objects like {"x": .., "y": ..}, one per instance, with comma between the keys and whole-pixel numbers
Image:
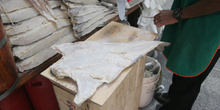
[{"x": 193, "y": 29}]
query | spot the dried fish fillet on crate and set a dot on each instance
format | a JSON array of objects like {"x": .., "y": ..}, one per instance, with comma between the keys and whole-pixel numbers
[{"x": 93, "y": 69}]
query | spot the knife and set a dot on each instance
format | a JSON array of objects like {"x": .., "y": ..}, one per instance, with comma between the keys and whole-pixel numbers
[{"x": 121, "y": 9}]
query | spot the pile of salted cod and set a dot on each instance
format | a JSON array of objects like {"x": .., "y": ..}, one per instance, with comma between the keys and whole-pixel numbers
[
  {"x": 32, "y": 26},
  {"x": 92, "y": 63},
  {"x": 86, "y": 15}
]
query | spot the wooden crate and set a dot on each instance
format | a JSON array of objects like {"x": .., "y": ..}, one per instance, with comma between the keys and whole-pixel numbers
[{"x": 121, "y": 94}]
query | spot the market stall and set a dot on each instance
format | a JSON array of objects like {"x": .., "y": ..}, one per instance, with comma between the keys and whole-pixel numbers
[{"x": 32, "y": 35}]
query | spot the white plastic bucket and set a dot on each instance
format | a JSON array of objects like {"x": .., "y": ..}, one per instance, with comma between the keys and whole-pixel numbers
[{"x": 149, "y": 83}]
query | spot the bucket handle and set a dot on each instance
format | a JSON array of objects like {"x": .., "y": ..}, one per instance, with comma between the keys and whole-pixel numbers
[
  {"x": 5, "y": 94},
  {"x": 3, "y": 41}
]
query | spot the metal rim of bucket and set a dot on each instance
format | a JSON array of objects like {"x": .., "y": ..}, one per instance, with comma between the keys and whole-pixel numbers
[
  {"x": 10, "y": 90},
  {"x": 3, "y": 41},
  {"x": 156, "y": 62}
]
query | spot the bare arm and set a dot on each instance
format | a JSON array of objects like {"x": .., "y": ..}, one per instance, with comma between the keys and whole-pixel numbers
[{"x": 203, "y": 7}]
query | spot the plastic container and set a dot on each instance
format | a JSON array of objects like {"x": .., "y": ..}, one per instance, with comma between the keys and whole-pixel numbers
[
  {"x": 150, "y": 81},
  {"x": 41, "y": 94},
  {"x": 17, "y": 100}
]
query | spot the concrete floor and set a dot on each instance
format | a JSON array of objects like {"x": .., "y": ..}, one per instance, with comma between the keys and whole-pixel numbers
[{"x": 209, "y": 97}]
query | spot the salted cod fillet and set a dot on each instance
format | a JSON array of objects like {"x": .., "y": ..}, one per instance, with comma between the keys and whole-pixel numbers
[
  {"x": 25, "y": 51},
  {"x": 83, "y": 26},
  {"x": 38, "y": 33},
  {"x": 32, "y": 23},
  {"x": 19, "y": 15},
  {"x": 42, "y": 56},
  {"x": 83, "y": 10},
  {"x": 85, "y": 2},
  {"x": 90, "y": 66},
  {"x": 22, "y": 14},
  {"x": 74, "y": 5},
  {"x": 95, "y": 25},
  {"x": 81, "y": 19},
  {"x": 13, "y": 5},
  {"x": 44, "y": 8}
]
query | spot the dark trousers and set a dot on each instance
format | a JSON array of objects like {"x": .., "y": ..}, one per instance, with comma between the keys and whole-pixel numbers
[{"x": 184, "y": 91}]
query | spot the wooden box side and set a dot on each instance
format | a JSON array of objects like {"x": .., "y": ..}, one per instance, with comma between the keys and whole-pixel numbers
[
  {"x": 127, "y": 94},
  {"x": 65, "y": 101},
  {"x": 125, "y": 97}
]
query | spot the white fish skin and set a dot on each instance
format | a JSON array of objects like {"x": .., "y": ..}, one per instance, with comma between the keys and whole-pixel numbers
[
  {"x": 12, "y": 5},
  {"x": 43, "y": 55},
  {"x": 23, "y": 14},
  {"x": 84, "y": 2},
  {"x": 23, "y": 52},
  {"x": 20, "y": 15},
  {"x": 81, "y": 19},
  {"x": 32, "y": 23},
  {"x": 83, "y": 26},
  {"x": 26, "y": 25},
  {"x": 44, "y": 8},
  {"x": 81, "y": 11},
  {"x": 60, "y": 14},
  {"x": 38, "y": 32},
  {"x": 97, "y": 66},
  {"x": 55, "y": 4},
  {"x": 74, "y": 5},
  {"x": 95, "y": 25}
]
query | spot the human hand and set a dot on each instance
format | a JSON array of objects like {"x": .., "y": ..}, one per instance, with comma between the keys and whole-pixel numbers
[{"x": 164, "y": 17}]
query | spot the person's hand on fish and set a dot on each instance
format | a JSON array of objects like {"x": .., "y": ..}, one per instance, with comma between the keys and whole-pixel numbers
[{"x": 164, "y": 17}]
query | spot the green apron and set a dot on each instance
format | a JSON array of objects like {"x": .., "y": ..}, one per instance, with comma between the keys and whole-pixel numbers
[{"x": 194, "y": 41}]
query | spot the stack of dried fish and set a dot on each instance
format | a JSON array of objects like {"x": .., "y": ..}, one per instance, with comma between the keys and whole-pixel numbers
[
  {"x": 86, "y": 15},
  {"x": 31, "y": 30}
]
